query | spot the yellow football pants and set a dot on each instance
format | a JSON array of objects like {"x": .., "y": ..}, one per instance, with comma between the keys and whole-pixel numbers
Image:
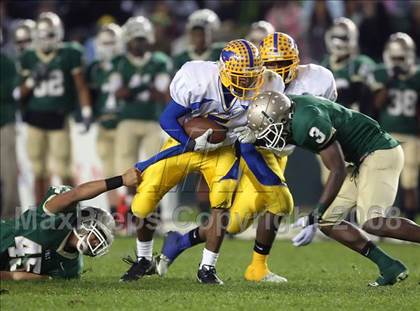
[
  {"x": 253, "y": 198},
  {"x": 162, "y": 176}
]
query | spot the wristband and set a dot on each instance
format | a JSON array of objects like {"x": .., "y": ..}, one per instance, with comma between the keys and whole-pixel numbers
[
  {"x": 86, "y": 112},
  {"x": 113, "y": 182},
  {"x": 320, "y": 208}
]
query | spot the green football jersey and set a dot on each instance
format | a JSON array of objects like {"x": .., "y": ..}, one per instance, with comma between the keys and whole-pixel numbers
[
  {"x": 105, "y": 104},
  {"x": 316, "y": 121},
  {"x": 7, "y": 85},
  {"x": 57, "y": 92},
  {"x": 400, "y": 112},
  {"x": 212, "y": 54},
  {"x": 140, "y": 80},
  {"x": 34, "y": 242},
  {"x": 356, "y": 70}
]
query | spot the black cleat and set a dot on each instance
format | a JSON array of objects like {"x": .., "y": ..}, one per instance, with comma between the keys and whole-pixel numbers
[
  {"x": 138, "y": 269},
  {"x": 207, "y": 275}
]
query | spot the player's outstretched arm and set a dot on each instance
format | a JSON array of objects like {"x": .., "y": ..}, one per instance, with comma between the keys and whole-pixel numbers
[
  {"x": 333, "y": 158},
  {"x": 20, "y": 276},
  {"x": 89, "y": 190}
]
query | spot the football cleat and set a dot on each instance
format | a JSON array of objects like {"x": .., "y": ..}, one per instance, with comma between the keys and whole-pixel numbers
[
  {"x": 263, "y": 275},
  {"x": 170, "y": 251},
  {"x": 138, "y": 269},
  {"x": 207, "y": 275},
  {"x": 396, "y": 272}
]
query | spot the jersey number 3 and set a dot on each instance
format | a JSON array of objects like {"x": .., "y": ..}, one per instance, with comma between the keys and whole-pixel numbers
[
  {"x": 317, "y": 134},
  {"x": 20, "y": 255}
]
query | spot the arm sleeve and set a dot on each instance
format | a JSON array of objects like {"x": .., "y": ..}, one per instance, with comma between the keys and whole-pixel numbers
[
  {"x": 331, "y": 92},
  {"x": 320, "y": 132},
  {"x": 170, "y": 124},
  {"x": 75, "y": 59}
]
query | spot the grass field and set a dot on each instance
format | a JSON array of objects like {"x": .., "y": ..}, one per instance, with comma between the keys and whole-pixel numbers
[{"x": 321, "y": 276}]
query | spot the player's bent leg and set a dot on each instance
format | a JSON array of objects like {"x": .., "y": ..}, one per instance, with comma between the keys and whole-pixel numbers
[
  {"x": 36, "y": 145},
  {"x": 379, "y": 175},
  {"x": 281, "y": 203}
]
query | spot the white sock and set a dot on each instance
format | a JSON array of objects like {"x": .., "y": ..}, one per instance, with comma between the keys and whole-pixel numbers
[
  {"x": 209, "y": 258},
  {"x": 144, "y": 249}
]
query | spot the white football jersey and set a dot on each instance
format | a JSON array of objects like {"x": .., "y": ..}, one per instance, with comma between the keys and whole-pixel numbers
[
  {"x": 197, "y": 86},
  {"x": 314, "y": 80}
]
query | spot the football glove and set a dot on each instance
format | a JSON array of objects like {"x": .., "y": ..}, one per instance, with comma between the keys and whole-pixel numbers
[
  {"x": 307, "y": 234},
  {"x": 245, "y": 135},
  {"x": 40, "y": 73},
  {"x": 202, "y": 144}
]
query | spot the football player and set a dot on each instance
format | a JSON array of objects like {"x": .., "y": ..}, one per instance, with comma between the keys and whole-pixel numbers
[
  {"x": 142, "y": 78},
  {"x": 103, "y": 86},
  {"x": 52, "y": 81},
  {"x": 397, "y": 87},
  {"x": 258, "y": 31},
  {"x": 350, "y": 69},
  {"x": 49, "y": 241},
  {"x": 222, "y": 93},
  {"x": 9, "y": 201},
  {"x": 339, "y": 134},
  {"x": 200, "y": 28},
  {"x": 23, "y": 35},
  {"x": 280, "y": 54}
]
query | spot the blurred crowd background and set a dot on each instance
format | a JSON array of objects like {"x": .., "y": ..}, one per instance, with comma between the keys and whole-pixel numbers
[{"x": 305, "y": 21}]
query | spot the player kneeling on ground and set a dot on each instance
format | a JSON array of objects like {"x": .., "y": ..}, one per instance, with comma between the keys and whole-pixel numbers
[
  {"x": 339, "y": 134},
  {"x": 49, "y": 240}
]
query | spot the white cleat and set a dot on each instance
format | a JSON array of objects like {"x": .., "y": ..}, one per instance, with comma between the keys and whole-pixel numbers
[
  {"x": 273, "y": 278},
  {"x": 162, "y": 265}
]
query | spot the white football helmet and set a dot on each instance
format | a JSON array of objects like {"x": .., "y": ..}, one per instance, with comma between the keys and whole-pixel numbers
[
  {"x": 23, "y": 35},
  {"x": 400, "y": 51},
  {"x": 108, "y": 42},
  {"x": 138, "y": 27},
  {"x": 342, "y": 37},
  {"x": 205, "y": 19},
  {"x": 269, "y": 117},
  {"x": 94, "y": 231},
  {"x": 258, "y": 31},
  {"x": 49, "y": 33}
]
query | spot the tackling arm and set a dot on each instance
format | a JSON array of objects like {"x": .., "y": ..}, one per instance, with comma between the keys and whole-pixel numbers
[
  {"x": 333, "y": 158},
  {"x": 20, "y": 276},
  {"x": 90, "y": 190}
]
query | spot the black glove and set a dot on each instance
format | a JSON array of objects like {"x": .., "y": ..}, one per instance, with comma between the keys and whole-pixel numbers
[{"x": 40, "y": 73}]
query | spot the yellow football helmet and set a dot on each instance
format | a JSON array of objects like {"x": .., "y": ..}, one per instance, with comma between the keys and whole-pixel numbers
[
  {"x": 241, "y": 69},
  {"x": 280, "y": 53}
]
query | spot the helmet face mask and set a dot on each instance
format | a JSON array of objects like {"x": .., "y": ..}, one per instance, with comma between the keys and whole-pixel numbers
[
  {"x": 272, "y": 136},
  {"x": 241, "y": 69},
  {"x": 94, "y": 233},
  {"x": 280, "y": 54},
  {"x": 138, "y": 36}
]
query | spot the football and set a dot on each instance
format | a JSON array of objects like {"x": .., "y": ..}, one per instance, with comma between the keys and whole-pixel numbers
[{"x": 198, "y": 126}]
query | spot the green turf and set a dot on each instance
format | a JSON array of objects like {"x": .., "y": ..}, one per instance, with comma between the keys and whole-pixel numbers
[{"x": 322, "y": 276}]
